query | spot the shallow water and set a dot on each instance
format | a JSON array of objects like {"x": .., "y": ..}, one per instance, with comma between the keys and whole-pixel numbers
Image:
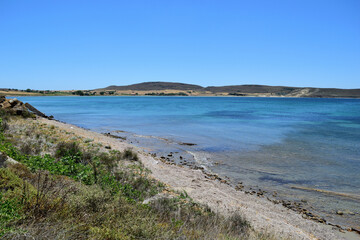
[{"x": 270, "y": 143}]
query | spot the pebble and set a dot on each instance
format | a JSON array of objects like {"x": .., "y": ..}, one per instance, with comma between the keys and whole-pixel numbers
[{"x": 339, "y": 212}]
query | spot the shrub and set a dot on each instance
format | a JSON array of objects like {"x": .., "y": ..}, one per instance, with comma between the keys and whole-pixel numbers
[
  {"x": 3, "y": 125},
  {"x": 50, "y": 195},
  {"x": 64, "y": 149},
  {"x": 28, "y": 148},
  {"x": 237, "y": 224},
  {"x": 129, "y": 154},
  {"x": 10, "y": 212},
  {"x": 89, "y": 199},
  {"x": 3, "y": 158}
]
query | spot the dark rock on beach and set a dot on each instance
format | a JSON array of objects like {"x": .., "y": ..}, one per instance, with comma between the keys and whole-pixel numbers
[
  {"x": 188, "y": 144},
  {"x": 17, "y": 107}
]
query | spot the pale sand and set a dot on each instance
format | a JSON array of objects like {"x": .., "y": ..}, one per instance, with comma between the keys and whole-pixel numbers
[{"x": 261, "y": 213}]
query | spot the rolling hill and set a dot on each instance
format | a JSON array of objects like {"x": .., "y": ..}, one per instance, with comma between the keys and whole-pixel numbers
[{"x": 234, "y": 90}]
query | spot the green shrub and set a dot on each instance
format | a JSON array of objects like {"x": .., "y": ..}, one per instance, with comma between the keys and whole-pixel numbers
[
  {"x": 10, "y": 212},
  {"x": 64, "y": 149}
]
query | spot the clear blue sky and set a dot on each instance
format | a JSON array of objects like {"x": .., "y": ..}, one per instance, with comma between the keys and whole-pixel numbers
[{"x": 90, "y": 44}]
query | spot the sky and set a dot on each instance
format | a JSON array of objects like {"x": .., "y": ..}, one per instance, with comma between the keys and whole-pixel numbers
[{"x": 73, "y": 44}]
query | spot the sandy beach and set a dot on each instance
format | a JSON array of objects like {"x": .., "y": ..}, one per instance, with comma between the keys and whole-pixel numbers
[{"x": 263, "y": 215}]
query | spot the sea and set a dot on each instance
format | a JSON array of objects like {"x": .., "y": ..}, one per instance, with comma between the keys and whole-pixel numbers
[{"x": 304, "y": 150}]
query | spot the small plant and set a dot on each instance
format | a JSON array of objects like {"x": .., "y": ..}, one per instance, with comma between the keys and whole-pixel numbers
[
  {"x": 237, "y": 224},
  {"x": 3, "y": 158},
  {"x": 3, "y": 124},
  {"x": 184, "y": 195},
  {"x": 10, "y": 211},
  {"x": 129, "y": 154},
  {"x": 28, "y": 148},
  {"x": 67, "y": 149}
]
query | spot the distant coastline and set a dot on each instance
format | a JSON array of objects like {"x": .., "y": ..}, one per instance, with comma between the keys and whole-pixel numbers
[{"x": 182, "y": 89}]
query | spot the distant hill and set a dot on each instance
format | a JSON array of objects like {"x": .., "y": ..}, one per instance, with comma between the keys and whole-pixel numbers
[
  {"x": 152, "y": 86},
  {"x": 239, "y": 90},
  {"x": 251, "y": 89},
  {"x": 286, "y": 91}
]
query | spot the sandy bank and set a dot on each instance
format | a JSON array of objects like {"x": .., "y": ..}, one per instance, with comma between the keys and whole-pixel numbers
[{"x": 262, "y": 214}]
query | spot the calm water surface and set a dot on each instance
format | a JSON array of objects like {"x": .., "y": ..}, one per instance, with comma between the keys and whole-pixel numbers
[{"x": 270, "y": 143}]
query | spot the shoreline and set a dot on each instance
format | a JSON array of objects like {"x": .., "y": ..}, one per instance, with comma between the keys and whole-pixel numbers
[
  {"x": 179, "y": 96},
  {"x": 272, "y": 194},
  {"x": 219, "y": 195}
]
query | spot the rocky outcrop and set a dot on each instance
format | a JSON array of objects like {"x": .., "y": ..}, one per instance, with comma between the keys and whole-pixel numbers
[
  {"x": 14, "y": 106},
  {"x": 34, "y": 110}
]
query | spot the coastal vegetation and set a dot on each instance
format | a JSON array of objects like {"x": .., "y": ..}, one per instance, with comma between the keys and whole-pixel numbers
[
  {"x": 167, "y": 94},
  {"x": 56, "y": 184},
  {"x": 182, "y": 89}
]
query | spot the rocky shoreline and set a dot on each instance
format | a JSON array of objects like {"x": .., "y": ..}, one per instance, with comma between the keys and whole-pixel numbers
[
  {"x": 280, "y": 217},
  {"x": 296, "y": 206},
  {"x": 292, "y": 205}
]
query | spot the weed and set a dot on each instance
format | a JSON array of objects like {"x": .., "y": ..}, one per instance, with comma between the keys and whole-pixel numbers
[
  {"x": 3, "y": 158},
  {"x": 63, "y": 149},
  {"x": 129, "y": 154},
  {"x": 10, "y": 212},
  {"x": 29, "y": 148}
]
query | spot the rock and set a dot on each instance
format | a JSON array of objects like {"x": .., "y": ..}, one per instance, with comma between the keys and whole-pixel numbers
[
  {"x": 34, "y": 110},
  {"x": 188, "y": 144},
  {"x": 5, "y": 105},
  {"x": 239, "y": 186},
  {"x": 260, "y": 193},
  {"x": 14, "y": 106},
  {"x": 13, "y": 102},
  {"x": 321, "y": 220},
  {"x": 349, "y": 212},
  {"x": 339, "y": 212},
  {"x": 6, "y": 160},
  {"x": 114, "y": 136},
  {"x": 10, "y": 161},
  {"x": 2, "y": 99}
]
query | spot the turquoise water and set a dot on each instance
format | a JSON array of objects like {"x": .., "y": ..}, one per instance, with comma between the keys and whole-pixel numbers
[{"x": 272, "y": 143}]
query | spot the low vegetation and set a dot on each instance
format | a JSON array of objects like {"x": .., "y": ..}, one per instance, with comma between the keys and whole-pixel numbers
[
  {"x": 166, "y": 94},
  {"x": 64, "y": 187}
]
